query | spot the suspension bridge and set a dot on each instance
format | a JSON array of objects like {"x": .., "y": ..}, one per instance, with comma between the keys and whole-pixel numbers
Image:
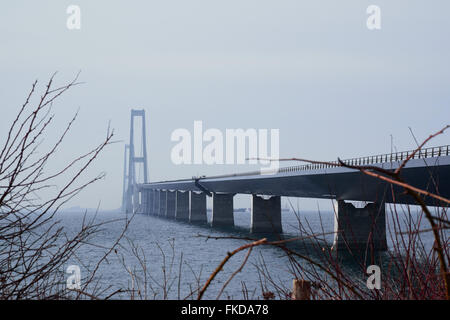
[{"x": 185, "y": 199}]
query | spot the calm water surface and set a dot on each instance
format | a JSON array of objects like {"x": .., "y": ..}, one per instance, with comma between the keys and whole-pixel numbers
[{"x": 169, "y": 244}]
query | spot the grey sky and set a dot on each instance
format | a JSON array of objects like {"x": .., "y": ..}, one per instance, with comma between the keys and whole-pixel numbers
[{"x": 310, "y": 68}]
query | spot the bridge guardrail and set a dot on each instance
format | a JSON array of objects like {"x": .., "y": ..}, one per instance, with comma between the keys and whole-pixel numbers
[{"x": 381, "y": 158}]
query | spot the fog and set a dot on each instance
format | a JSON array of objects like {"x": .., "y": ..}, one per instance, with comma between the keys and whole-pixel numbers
[{"x": 311, "y": 69}]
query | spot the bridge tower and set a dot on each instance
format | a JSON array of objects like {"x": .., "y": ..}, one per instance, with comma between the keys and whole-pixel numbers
[
  {"x": 125, "y": 176},
  {"x": 131, "y": 201}
]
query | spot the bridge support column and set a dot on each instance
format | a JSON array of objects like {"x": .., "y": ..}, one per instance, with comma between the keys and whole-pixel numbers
[
  {"x": 155, "y": 198},
  {"x": 170, "y": 204},
  {"x": 136, "y": 202},
  {"x": 182, "y": 205},
  {"x": 145, "y": 207},
  {"x": 266, "y": 215},
  {"x": 151, "y": 200},
  {"x": 222, "y": 211},
  {"x": 144, "y": 201},
  {"x": 197, "y": 207},
  {"x": 155, "y": 210},
  {"x": 162, "y": 202},
  {"x": 359, "y": 229}
]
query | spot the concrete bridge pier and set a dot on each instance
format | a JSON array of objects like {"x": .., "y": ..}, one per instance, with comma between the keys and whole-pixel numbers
[
  {"x": 162, "y": 202},
  {"x": 170, "y": 204},
  {"x": 136, "y": 202},
  {"x": 148, "y": 196},
  {"x": 182, "y": 205},
  {"x": 266, "y": 215},
  {"x": 144, "y": 201},
  {"x": 222, "y": 211},
  {"x": 197, "y": 207},
  {"x": 155, "y": 210},
  {"x": 151, "y": 202},
  {"x": 360, "y": 229}
]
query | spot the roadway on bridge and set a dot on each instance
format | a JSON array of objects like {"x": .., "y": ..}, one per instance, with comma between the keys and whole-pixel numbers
[{"x": 432, "y": 174}]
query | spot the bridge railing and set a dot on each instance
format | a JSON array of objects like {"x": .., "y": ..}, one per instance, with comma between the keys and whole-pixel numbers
[{"x": 381, "y": 158}]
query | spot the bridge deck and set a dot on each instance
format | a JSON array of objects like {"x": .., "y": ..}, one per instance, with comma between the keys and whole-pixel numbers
[{"x": 429, "y": 170}]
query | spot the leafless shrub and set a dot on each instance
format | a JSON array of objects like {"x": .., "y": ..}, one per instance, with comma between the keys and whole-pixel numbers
[
  {"x": 158, "y": 278},
  {"x": 34, "y": 247}
]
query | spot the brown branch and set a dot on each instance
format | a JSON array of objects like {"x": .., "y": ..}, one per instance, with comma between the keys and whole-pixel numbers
[
  {"x": 402, "y": 165},
  {"x": 235, "y": 272},
  {"x": 224, "y": 261},
  {"x": 405, "y": 185}
]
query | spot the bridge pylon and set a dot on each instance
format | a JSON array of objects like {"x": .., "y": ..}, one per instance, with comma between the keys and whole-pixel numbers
[
  {"x": 125, "y": 177},
  {"x": 131, "y": 200}
]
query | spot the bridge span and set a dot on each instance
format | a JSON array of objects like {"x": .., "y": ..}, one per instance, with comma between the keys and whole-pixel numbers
[{"x": 356, "y": 228}]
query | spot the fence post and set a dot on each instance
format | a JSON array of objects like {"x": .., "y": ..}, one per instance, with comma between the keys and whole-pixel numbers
[{"x": 301, "y": 290}]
